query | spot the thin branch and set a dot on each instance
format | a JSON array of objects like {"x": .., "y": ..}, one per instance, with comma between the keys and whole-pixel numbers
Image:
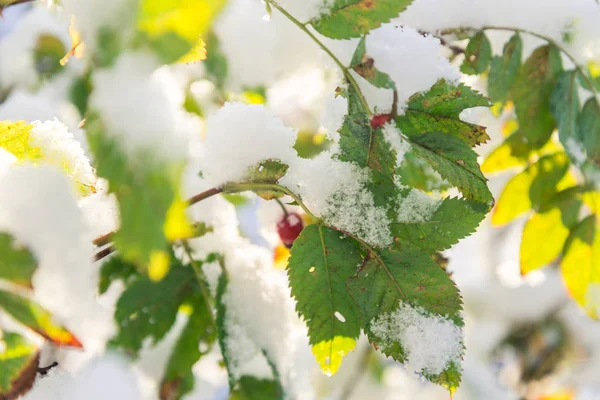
[
  {"x": 204, "y": 195},
  {"x": 201, "y": 281},
  {"x": 285, "y": 211},
  {"x": 578, "y": 67},
  {"x": 344, "y": 69},
  {"x": 104, "y": 253}
]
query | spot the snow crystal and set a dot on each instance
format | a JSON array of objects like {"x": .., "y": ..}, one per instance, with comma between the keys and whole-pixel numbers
[
  {"x": 412, "y": 60},
  {"x": 336, "y": 108},
  {"x": 137, "y": 105},
  {"x": 394, "y": 137},
  {"x": 6, "y": 160},
  {"x": 240, "y": 136},
  {"x": 17, "y": 64},
  {"x": 335, "y": 190},
  {"x": 431, "y": 342},
  {"x": 60, "y": 148},
  {"x": 418, "y": 206}
]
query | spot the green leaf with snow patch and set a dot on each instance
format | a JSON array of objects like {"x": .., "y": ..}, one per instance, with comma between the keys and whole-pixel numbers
[
  {"x": 195, "y": 340},
  {"x": 403, "y": 278},
  {"x": 588, "y": 126},
  {"x": 504, "y": 69},
  {"x": 453, "y": 219},
  {"x": 362, "y": 145},
  {"x": 143, "y": 217},
  {"x": 268, "y": 171},
  {"x": 148, "y": 309},
  {"x": 364, "y": 66},
  {"x": 17, "y": 264},
  {"x": 456, "y": 162},
  {"x": 321, "y": 261},
  {"x": 116, "y": 269},
  {"x": 19, "y": 360},
  {"x": 417, "y": 173},
  {"x": 478, "y": 55},
  {"x": 564, "y": 105},
  {"x": 532, "y": 91},
  {"x": 352, "y": 18},
  {"x": 438, "y": 110}
]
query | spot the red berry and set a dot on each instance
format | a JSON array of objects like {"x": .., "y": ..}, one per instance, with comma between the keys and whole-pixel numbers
[
  {"x": 289, "y": 228},
  {"x": 380, "y": 120}
]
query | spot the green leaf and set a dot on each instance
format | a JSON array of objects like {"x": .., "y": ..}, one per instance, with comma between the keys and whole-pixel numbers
[
  {"x": 362, "y": 145},
  {"x": 142, "y": 217},
  {"x": 364, "y": 66},
  {"x": 148, "y": 309},
  {"x": 19, "y": 361},
  {"x": 580, "y": 266},
  {"x": 454, "y": 160},
  {"x": 532, "y": 91},
  {"x": 169, "y": 47},
  {"x": 504, "y": 69},
  {"x": 405, "y": 275},
  {"x": 565, "y": 108},
  {"x": 352, "y": 18},
  {"x": 17, "y": 264},
  {"x": 478, "y": 55},
  {"x": 48, "y": 52},
  {"x": 33, "y": 316},
  {"x": 531, "y": 188},
  {"x": 322, "y": 259},
  {"x": 417, "y": 173},
  {"x": 79, "y": 93},
  {"x": 438, "y": 110},
  {"x": 251, "y": 388},
  {"x": 454, "y": 219},
  {"x": 195, "y": 340},
  {"x": 588, "y": 128},
  {"x": 222, "y": 334},
  {"x": 116, "y": 269},
  {"x": 216, "y": 62}
]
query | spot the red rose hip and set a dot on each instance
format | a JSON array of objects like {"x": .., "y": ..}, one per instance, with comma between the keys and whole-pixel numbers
[{"x": 289, "y": 228}]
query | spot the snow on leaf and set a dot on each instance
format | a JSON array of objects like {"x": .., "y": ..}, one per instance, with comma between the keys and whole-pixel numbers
[
  {"x": 321, "y": 261},
  {"x": 455, "y": 161},
  {"x": 453, "y": 220},
  {"x": 478, "y": 55},
  {"x": 364, "y": 66},
  {"x": 37, "y": 319},
  {"x": 17, "y": 264},
  {"x": 407, "y": 278},
  {"x": 438, "y": 110},
  {"x": 532, "y": 91},
  {"x": 504, "y": 69},
  {"x": 19, "y": 361},
  {"x": 352, "y": 18}
]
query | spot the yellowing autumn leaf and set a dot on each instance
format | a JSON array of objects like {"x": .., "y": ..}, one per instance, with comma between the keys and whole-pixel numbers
[
  {"x": 177, "y": 225},
  {"x": 580, "y": 265},
  {"x": 15, "y": 137},
  {"x": 543, "y": 239}
]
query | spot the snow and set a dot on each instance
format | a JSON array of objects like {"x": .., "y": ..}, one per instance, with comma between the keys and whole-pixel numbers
[
  {"x": 413, "y": 61},
  {"x": 393, "y": 136},
  {"x": 17, "y": 64},
  {"x": 240, "y": 136},
  {"x": 431, "y": 342},
  {"x": 305, "y": 10},
  {"x": 418, "y": 206},
  {"x": 59, "y": 147},
  {"x": 137, "y": 106}
]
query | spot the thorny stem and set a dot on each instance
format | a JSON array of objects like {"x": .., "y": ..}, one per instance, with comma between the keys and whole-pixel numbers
[
  {"x": 578, "y": 67},
  {"x": 201, "y": 280},
  {"x": 345, "y": 70}
]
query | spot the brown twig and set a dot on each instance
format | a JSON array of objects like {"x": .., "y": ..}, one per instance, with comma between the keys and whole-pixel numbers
[
  {"x": 104, "y": 253},
  {"x": 204, "y": 195}
]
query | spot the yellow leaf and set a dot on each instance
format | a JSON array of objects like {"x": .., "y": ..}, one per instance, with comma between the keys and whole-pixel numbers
[
  {"x": 77, "y": 45},
  {"x": 510, "y": 127},
  {"x": 187, "y": 18},
  {"x": 159, "y": 265},
  {"x": 500, "y": 159},
  {"x": 281, "y": 255},
  {"x": 197, "y": 53},
  {"x": 536, "y": 182},
  {"x": 580, "y": 265},
  {"x": 543, "y": 239},
  {"x": 329, "y": 353},
  {"x": 592, "y": 200},
  {"x": 15, "y": 138},
  {"x": 177, "y": 225}
]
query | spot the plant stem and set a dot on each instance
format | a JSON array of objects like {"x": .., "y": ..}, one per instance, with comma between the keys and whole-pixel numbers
[
  {"x": 204, "y": 195},
  {"x": 201, "y": 281},
  {"x": 242, "y": 187},
  {"x": 104, "y": 253},
  {"x": 285, "y": 211},
  {"x": 578, "y": 67},
  {"x": 344, "y": 69},
  {"x": 355, "y": 378}
]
